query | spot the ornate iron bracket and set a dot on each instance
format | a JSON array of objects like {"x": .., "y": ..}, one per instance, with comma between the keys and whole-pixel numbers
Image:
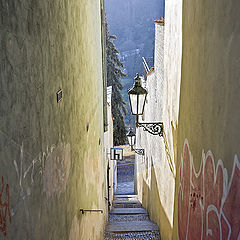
[
  {"x": 139, "y": 151},
  {"x": 155, "y": 128},
  {"x": 90, "y": 210}
]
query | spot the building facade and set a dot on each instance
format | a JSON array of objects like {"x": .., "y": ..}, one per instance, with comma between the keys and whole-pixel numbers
[
  {"x": 51, "y": 153},
  {"x": 208, "y": 169},
  {"x": 189, "y": 180},
  {"x": 157, "y": 169}
]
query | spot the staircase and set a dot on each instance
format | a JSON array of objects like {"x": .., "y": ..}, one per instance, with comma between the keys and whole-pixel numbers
[{"x": 129, "y": 220}]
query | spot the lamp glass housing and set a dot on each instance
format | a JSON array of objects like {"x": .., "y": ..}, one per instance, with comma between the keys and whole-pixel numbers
[
  {"x": 131, "y": 138},
  {"x": 137, "y": 103},
  {"x": 137, "y": 96}
]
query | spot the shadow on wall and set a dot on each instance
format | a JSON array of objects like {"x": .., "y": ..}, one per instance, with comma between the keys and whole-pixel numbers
[{"x": 151, "y": 201}]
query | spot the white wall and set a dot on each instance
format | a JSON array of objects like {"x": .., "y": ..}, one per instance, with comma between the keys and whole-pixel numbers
[{"x": 157, "y": 169}]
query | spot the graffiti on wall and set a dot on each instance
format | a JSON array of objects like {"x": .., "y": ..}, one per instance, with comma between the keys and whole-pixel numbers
[
  {"x": 208, "y": 200},
  {"x": 5, "y": 214},
  {"x": 53, "y": 166}
]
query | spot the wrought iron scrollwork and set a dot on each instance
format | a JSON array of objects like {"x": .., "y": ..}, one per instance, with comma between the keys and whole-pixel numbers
[
  {"x": 139, "y": 151},
  {"x": 153, "y": 128}
]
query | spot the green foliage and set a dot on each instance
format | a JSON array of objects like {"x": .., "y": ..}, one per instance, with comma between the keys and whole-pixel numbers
[
  {"x": 114, "y": 75},
  {"x": 129, "y": 119}
]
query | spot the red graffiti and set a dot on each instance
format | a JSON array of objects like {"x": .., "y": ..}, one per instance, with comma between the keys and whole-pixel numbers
[
  {"x": 208, "y": 204},
  {"x": 4, "y": 209}
]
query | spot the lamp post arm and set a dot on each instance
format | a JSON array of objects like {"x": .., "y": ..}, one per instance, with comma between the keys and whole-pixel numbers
[
  {"x": 155, "y": 128},
  {"x": 139, "y": 151}
]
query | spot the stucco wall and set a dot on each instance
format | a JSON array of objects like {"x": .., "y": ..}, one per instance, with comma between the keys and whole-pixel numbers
[
  {"x": 157, "y": 170},
  {"x": 208, "y": 179},
  {"x": 51, "y": 153}
]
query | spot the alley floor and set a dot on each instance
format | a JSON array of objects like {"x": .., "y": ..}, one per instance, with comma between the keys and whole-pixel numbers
[
  {"x": 125, "y": 173},
  {"x": 129, "y": 220},
  {"x": 125, "y": 178}
]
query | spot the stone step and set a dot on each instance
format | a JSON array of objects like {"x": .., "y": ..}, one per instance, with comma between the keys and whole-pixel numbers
[
  {"x": 127, "y": 211},
  {"x": 125, "y": 201},
  {"x": 128, "y": 218},
  {"x": 153, "y": 235},
  {"x": 126, "y": 196},
  {"x": 126, "y": 204},
  {"x": 130, "y": 221},
  {"x": 133, "y": 226}
]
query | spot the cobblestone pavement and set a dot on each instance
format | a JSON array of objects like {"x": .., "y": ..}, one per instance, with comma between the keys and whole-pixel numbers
[
  {"x": 125, "y": 188},
  {"x": 130, "y": 223}
]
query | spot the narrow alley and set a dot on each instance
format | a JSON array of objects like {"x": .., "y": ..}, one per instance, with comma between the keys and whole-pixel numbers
[
  {"x": 127, "y": 218},
  {"x": 119, "y": 119}
]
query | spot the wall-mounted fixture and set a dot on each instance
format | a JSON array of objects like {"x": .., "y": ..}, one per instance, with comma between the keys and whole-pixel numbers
[
  {"x": 87, "y": 127},
  {"x": 59, "y": 95},
  {"x": 116, "y": 153},
  {"x": 131, "y": 140},
  {"x": 137, "y": 96},
  {"x": 90, "y": 210}
]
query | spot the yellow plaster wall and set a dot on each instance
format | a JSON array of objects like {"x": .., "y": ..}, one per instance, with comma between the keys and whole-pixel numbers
[
  {"x": 51, "y": 153},
  {"x": 209, "y": 116}
]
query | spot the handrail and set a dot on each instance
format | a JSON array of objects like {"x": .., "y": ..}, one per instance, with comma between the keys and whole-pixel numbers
[{"x": 90, "y": 210}]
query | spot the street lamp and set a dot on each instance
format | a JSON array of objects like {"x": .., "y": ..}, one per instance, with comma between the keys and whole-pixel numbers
[
  {"x": 131, "y": 139},
  {"x": 137, "y": 96}
]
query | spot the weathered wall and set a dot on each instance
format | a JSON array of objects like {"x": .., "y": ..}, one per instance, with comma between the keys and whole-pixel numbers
[
  {"x": 207, "y": 201},
  {"x": 51, "y": 153},
  {"x": 157, "y": 170}
]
